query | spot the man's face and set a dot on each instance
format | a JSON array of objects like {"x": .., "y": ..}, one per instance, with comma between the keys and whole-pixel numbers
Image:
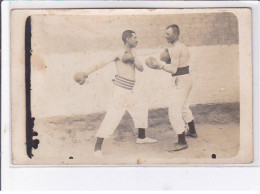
[
  {"x": 133, "y": 40},
  {"x": 171, "y": 36}
]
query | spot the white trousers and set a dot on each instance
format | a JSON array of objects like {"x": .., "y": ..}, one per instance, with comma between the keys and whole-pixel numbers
[
  {"x": 123, "y": 100},
  {"x": 179, "y": 107}
]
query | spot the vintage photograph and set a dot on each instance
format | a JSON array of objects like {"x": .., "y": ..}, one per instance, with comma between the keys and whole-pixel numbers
[{"x": 131, "y": 87}]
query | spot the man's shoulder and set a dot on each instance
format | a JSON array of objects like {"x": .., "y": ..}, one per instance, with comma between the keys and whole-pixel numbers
[
  {"x": 182, "y": 47},
  {"x": 134, "y": 52},
  {"x": 118, "y": 53},
  {"x": 181, "y": 44}
]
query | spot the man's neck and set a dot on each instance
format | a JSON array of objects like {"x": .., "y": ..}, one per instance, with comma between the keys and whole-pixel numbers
[
  {"x": 127, "y": 48},
  {"x": 173, "y": 43}
]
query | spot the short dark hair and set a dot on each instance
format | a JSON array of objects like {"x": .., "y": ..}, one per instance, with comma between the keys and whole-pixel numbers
[
  {"x": 127, "y": 34},
  {"x": 174, "y": 28}
]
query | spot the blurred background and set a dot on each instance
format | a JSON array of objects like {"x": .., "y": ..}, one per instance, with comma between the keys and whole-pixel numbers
[{"x": 64, "y": 45}]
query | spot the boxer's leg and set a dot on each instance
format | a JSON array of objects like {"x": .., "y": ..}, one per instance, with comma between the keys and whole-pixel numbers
[
  {"x": 186, "y": 113},
  {"x": 178, "y": 95},
  {"x": 112, "y": 118},
  {"x": 138, "y": 109},
  {"x": 114, "y": 114},
  {"x": 175, "y": 111},
  {"x": 189, "y": 119}
]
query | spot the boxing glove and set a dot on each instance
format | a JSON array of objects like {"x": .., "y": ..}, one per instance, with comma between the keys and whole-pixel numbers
[
  {"x": 80, "y": 78},
  {"x": 152, "y": 63},
  {"x": 165, "y": 56}
]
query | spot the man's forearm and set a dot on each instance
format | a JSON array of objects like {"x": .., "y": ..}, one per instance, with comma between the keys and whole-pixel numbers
[
  {"x": 94, "y": 68},
  {"x": 102, "y": 64},
  {"x": 169, "y": 68},
  {"x": 139, "y": 66}
]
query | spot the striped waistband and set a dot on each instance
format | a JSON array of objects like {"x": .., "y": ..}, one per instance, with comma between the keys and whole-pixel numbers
[{"x": 123, "y": 82}]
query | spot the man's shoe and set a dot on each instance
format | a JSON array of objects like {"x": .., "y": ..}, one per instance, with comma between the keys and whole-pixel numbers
[
  {"x": 178, "y": 147},
  {"x": 145, "y": 140},
  {"x": 194, "y": 134}
]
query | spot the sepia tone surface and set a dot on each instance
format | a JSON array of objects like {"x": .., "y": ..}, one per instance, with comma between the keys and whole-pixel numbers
[{"x": 68, "y": 115}]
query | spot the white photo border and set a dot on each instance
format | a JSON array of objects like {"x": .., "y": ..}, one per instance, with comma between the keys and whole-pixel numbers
[{"x": 101, "y": 178}]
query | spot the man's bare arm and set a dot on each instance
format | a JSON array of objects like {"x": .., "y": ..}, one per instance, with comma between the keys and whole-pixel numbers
[
  {"x": 173, "y": 66},
  {"x": 101, "y": 64},
  {"x": 137, "y": 63}
]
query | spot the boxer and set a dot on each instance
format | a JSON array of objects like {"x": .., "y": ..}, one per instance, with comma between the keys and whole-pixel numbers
[
  {"x": 123, "y": 98},
  {"x": 175, "y": 62}
]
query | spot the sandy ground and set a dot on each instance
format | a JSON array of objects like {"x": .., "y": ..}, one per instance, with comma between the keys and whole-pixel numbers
[{"x": 70, "y": 140}]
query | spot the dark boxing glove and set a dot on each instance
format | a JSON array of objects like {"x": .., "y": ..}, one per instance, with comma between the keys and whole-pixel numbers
[{"x": 165, "y": 56}]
